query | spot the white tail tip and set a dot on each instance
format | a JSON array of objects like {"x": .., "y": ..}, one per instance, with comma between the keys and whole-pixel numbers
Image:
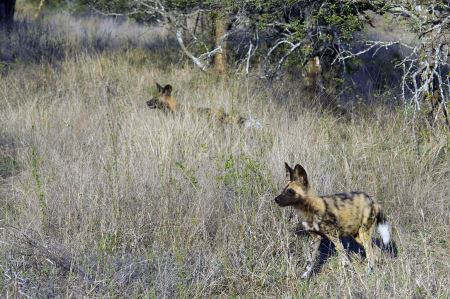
[
  {"x": 383, "y": 229},
  {"x": 251, "y": 123}
]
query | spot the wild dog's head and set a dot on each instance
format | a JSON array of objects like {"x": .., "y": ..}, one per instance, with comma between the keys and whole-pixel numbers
[
  {"x": 296, "y": 189},
  {"x": 164, "y": 101}
]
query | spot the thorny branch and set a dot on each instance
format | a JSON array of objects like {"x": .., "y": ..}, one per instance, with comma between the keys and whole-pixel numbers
[
  {"x": 203, "y": 60},
  {"x": 369, "y": 46}
]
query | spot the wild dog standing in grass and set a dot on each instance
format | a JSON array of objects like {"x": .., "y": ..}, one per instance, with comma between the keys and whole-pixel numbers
[
  {"x": 353, "y": 214},
  {"x": 167, "y": 103}
]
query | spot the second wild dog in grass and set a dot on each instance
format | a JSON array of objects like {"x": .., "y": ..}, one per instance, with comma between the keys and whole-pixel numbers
[
  {"x": 353, "y": 214},
  {"x": 164, "y": 101},
  {"x": 167, "y": 103}
]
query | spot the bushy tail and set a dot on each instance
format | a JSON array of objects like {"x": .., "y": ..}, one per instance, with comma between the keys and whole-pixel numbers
[{"x": 383, "y": 227}]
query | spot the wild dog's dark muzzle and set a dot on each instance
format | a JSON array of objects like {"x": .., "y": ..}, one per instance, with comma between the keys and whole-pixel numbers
[
  {"x": 153, "y": 103},
  {"x": 278, "y": 200}
]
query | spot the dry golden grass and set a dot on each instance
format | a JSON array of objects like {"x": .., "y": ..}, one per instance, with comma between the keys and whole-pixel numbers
[{"x": 103, "y": 197}]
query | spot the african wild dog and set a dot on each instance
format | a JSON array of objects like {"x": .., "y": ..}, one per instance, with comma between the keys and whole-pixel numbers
[
  {"x": 335, "y": 216},
  {"x": 167, "y": 103}
]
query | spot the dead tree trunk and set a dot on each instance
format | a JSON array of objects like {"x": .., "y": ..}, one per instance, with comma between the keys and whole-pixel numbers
[
  {"x": 433, "y": 76},
  {"x": 7, "y": 8}
]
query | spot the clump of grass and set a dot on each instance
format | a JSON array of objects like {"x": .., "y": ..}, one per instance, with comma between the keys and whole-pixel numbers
[
  {"x": 8, "y": 162},
  {"x": 140, "y": 203}
]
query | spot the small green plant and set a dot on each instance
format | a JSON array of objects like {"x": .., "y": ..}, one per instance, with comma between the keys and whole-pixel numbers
[
  {"x": 8, "y": 164},
  {"x": 187, "y": 173},
  {"x": 36, "y": 174},
  {"x": 108, "y": 243},
  {"x": 244, "y": 175},
  {"x": 112, "y": 165}
]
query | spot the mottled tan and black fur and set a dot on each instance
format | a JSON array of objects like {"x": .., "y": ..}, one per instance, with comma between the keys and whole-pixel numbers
[
  {"x": 353, "y": 214},
  {"x": 167, "y": 103},
  {"x": 164, "y": 101}
]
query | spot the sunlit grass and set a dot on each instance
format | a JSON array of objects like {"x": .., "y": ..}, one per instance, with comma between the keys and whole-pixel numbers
[{"x": 141, "y": 203}]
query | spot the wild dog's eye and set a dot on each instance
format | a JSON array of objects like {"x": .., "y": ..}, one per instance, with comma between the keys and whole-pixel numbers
[{"x": 291, "y": 191}]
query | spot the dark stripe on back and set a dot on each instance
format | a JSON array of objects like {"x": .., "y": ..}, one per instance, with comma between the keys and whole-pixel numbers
[
  {"x": 344, "y": 196},
  {"x": 356, "y": 193},
  {"x": 329, "y": 215}
]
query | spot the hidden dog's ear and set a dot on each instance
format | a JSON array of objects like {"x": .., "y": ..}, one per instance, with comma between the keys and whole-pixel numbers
[
  {"x": 167, "y": 90},
  {"x": 159, "y": 87}
]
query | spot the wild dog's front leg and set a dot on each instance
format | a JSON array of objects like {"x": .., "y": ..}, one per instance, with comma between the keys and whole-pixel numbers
[
  {"x": 311, "y": 226},
  {"x": 313, "y": 254}
]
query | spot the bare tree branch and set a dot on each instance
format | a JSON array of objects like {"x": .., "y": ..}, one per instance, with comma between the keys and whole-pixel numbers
[{"x": 194, "y": 59}]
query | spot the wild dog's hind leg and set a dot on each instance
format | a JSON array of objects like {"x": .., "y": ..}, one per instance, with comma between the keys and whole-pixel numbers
[
  {"x": 364, "y": 238},
  {"x": 313, "y": 261}
]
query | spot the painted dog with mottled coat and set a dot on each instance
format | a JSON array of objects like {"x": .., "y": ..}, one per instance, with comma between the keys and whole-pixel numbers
[
  {"x": 353, "y": 214},
  {"x": 167, "y": 103}
]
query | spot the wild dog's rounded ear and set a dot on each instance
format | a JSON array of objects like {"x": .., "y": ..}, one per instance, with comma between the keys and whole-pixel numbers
[
  {"x": 167, "y": 90},
  {"x": 159, "y": 87},
  {"x": 289, "y": 171},
  {"x": 300, "y": 175}
]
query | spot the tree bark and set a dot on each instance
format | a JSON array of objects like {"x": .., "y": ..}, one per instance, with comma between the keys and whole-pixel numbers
[
  {"x": 7, "y": 8},
  {"x": 220, "y": 28},
  {"x": 39, "y": 10}
]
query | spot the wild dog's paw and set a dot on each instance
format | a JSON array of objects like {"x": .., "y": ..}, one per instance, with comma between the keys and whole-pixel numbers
[
  {"x": 307, "y": 273},
  {"x": 345, "y": 262},
  {"x": 370, "y": 267}
]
